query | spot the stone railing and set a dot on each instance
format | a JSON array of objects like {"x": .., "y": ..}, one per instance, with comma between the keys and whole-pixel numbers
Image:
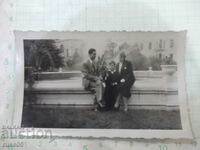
[
  {"x": 75, "y": 74},
  {"x": 166, "y": 70},
  {"x": 57, "y": 75}
]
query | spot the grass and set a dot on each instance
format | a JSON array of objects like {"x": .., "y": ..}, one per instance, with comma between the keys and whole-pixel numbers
[{"x": 86, "y": 118}]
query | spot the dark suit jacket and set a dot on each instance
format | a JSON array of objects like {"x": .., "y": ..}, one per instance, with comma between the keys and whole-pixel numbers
[
  {"x": 90, "y": 72},
  {"x": 111, "y": 89},
  {"x": 127, "y": 74}
]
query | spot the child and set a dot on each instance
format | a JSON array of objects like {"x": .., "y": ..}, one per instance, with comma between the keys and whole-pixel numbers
[{"x": 111, "y": 89}]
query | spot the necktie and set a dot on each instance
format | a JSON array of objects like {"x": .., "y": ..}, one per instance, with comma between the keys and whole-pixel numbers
[{"x": 93, "y": 65}]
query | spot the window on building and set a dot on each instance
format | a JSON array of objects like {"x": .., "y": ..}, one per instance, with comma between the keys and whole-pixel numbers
[
  {"x": 160, "y": 43},
  {"x": 150, "y": 45},
  {"x": 171, "y": 43},
  {"x": 160, "y": 56},
  {"x": 171, "y": 56},
  {"x": 163, "y": 44}
]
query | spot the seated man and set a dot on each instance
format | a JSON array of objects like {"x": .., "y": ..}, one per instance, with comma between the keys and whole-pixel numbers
[{"x": 92, "y": 78}]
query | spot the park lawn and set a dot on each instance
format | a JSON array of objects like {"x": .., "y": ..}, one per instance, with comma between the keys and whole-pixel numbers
[{"x": 59, "y": 117}]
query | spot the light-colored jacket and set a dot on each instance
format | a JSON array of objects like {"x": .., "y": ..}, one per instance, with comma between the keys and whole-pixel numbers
[{"x": 90, "y": 73}]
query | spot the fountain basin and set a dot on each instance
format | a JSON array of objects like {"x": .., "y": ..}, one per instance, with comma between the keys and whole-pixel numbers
[{"x": 169, "y": 69}]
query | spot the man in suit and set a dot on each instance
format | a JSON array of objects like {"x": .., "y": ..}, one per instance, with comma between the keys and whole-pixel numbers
[
  {"x": 92, "y": 78},
  {"x": 126, "y": 79}
]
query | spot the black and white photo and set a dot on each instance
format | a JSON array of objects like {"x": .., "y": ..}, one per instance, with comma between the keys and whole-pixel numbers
[{"x": 119, "y": 83}]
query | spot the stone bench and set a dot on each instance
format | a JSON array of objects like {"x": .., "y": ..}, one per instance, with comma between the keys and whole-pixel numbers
[{"x": 71, "y": 93}]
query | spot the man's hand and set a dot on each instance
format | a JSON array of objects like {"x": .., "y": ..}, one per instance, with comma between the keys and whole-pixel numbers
[{"x": 122, "y": 80}]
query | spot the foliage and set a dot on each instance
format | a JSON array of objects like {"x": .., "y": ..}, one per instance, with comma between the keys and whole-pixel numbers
[
  {"x": 69, "y": 62},
  {"x": 168, "y": 61},
  {"x": 76, "y": 58},
  {"x": 111, "y": 45},
  {"x": 29, "y": 77},
  {"x": 155, "y": 63},
  {"x": 124, "y": 46},
  {"x": 110, "y": 49},
  {"x": 74, "y": 62},
  {"x": 42, "y": 55},
  {"x": 138, "y": 60},
  {"x": 101, "y": 66}
]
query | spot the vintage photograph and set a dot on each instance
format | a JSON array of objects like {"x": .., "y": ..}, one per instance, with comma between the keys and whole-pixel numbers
[{"x": 103, "y": 80}]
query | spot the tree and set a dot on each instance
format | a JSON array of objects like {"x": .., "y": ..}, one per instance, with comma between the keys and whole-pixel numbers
[
  {"x": 109, "y": 52},
  {"x": 76, "y": 58},
  {"x": 124, "y": 46},
  {"x": 138, "y": 60},
  {"x": 155, "y": 63},
  {"x": 133, "y": 54},
  {"x": 42, "y": 55}
]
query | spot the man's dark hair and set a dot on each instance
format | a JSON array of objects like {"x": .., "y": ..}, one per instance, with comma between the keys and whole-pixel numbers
[{"x": 91, "y": 50}]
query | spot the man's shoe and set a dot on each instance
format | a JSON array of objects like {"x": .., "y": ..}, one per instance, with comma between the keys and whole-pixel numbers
[
  {"x": 101, "y": 104},
  {"x": 116, "y": 107}
]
